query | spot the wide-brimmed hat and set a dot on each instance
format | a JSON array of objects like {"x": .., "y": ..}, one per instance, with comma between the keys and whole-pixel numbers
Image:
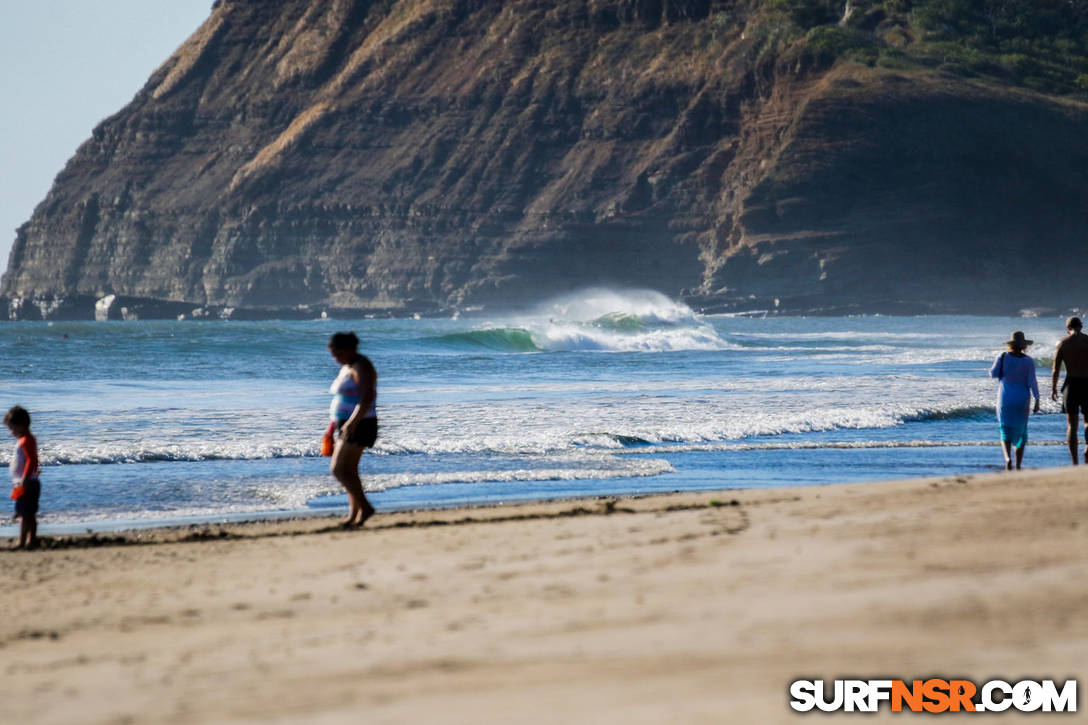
[{"x": 1018, "y": 340}]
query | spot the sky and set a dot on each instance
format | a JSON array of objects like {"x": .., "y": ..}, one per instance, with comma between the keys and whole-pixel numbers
[{"x": 65, "y": 65}]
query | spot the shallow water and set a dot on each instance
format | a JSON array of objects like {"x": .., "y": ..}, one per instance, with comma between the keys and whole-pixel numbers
[{"x": 598, "y": 393}]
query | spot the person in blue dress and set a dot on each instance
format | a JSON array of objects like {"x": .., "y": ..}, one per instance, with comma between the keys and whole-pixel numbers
[{"x": 1016, "y": 373}]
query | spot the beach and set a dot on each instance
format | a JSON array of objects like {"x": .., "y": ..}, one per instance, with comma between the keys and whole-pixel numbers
[{"x": 693, "y": 607}]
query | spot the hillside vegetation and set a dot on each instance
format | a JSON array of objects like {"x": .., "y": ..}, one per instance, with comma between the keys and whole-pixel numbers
[{"x": 1040, "y": 44}]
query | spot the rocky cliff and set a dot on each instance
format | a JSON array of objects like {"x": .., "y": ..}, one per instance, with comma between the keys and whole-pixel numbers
[{"x": 345, "y": 156}]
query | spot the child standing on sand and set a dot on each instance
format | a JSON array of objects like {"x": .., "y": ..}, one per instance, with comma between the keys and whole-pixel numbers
[{"x": 26, "y": 488}]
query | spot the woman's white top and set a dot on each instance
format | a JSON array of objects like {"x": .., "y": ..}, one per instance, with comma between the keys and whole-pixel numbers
[{"x": 346, "y": 397}]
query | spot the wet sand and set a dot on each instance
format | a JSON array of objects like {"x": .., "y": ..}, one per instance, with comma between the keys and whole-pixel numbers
[{"x": 692, "y": 608}]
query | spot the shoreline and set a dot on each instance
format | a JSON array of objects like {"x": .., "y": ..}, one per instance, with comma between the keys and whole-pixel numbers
[
  {"x": 174, "y": 528},
  {"x": 691, "y": 607},
  {"x": 124, "y": 524},
  {"x": 292, "y": 523}
]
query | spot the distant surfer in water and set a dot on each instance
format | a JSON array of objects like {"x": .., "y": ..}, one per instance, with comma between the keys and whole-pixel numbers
[
  {"x": 1073, "y": 353},
  {"x": 354, "y": 412},
  {"x": 1016, "y": 371}
]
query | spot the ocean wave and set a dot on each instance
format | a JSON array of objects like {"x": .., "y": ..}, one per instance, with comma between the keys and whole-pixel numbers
[
  {"x": 505, "y": 429},
  {"x": 814, "y": 446},
  {"x": 119, "y": 454},
  {"x": 621, "y": 322},
  {"x": 593, "y": 321},
  {"x": 643, "y": 469},
  {"x": 558, "y": 443},
  {"x": 620, "y": 334},
  {"x": 618, "y": 308},
  {"x": 499, "y": 339},
  {"x": 836, "y": 335},
  {"x": 567, "y": 337},
  {"x": 967, "y": 412}
]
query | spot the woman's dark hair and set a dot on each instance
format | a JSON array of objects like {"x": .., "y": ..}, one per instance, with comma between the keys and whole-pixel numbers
[
  {"x": 1073, "y": 323},
  {"x": 17, "y": 416},
  {"x": 344, "y": 341}
]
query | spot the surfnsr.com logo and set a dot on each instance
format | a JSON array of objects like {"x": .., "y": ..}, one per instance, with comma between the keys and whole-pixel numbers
[{"x": 933, "y": 695}]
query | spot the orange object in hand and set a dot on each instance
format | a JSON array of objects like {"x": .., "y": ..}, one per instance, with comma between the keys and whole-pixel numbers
[
  {"x": 17, "y": 492},
  {"x": 326, "y": 440}
]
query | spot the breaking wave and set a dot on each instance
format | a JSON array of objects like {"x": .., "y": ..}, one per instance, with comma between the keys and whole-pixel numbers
[
  {"x": 643, "y": 469},
  {"x": 65, "y": 455},
  {"x": 817, "y": 445},
  {"x": 499, "y": 339},
  {"x": 595, "y": 321},
  {"x": 485, "y": 436},
  {"x": 968, "y": 412}
]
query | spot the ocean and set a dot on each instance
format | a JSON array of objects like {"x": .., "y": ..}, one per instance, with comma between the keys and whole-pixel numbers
[{"x": 598, "y": 393}]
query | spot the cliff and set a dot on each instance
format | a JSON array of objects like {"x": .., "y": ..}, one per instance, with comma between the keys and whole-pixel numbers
[{"x": 346, "y": 156}]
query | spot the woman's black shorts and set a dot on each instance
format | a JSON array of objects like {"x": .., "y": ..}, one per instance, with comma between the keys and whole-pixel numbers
[{"x": 366, "y": 432}]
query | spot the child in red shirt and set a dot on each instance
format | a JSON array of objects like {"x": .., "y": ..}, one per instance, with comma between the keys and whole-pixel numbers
[{"x": 26, "y": 488}]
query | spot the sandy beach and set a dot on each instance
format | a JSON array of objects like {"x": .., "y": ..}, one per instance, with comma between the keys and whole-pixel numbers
[{"x": 693, "y": 608}]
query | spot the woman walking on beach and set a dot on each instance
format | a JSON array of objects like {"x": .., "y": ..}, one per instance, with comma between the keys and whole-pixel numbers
[
  {"x": 354, "y": 412},
  {"x": 1016, "y": 372}
]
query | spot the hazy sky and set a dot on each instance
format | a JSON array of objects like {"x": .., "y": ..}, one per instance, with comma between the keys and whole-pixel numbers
[{"x": 64, "y": 66}]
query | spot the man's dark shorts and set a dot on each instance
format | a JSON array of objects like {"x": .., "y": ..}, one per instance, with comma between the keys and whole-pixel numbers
[
  {"x": 27, "y": 504},
  {"x": 1075, "y": 397}
]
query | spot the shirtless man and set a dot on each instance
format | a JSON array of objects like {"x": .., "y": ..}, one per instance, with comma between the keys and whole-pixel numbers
[{"x": 1073, "y": 351}]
